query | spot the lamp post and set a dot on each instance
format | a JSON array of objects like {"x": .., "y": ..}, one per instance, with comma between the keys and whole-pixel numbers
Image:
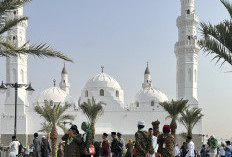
[
  {"x": 64, "y": 123},
  {"x": 3, "y": 89},
  {"x": 203, "y": 137}
]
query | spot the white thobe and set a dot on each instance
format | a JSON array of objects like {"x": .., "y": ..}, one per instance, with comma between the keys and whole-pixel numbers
[{"x": 191, "y": 149}]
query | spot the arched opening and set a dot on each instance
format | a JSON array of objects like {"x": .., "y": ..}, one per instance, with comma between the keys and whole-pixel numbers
[
  {"x": 188, "y": 11},
  {"x": 101, "y": 92},
  {"x": 190, "y": 75},
  {"x": 152, "y": 103},
  {"x": 86, "y": 93},
  {"x": 117, "y": 93},
  {"x": 137, "y": 104},
  {"x": 22, "y": 75},
  {"x": 195, "y": 75}
]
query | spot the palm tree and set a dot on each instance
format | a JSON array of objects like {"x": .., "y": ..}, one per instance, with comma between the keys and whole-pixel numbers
[
  {"x": 46, "y": 128},
  {"x": 92, "y": 110},
  {"x": 190, "y": 117},
  {"x": 217, "y": 39},
  {"x": 53, "y": 115},
  {"x": 7, "y": 48},
  {"x": 174, "y": 108}
]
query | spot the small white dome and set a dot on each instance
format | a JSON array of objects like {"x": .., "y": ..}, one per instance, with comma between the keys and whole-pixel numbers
[
  {"x": 54, "y": 94},
  {"x": 102, "y": 80},
  {"x": 150, "y": 94}
]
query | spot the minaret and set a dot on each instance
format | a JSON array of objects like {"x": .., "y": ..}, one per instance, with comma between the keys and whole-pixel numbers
[
  {"x": 186, "y": 50},
  {"x": 147, "y": 78},
  {"x": 16, "y": 71},
  {"x": 16, "y": 67},
  {"x": 64, "y": 84}
]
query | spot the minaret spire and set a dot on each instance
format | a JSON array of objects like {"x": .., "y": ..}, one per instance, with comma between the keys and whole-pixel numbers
[
  {"x": 64, "y": 84},
  {"x": 147, "y": 78},
  {"x": 186, "y": 50}
]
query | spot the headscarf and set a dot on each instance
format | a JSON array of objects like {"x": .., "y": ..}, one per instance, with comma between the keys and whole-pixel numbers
[{"x": 88, "y": 129}]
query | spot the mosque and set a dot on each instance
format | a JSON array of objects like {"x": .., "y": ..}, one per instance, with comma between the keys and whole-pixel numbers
[{"x": 117, "y": 115}]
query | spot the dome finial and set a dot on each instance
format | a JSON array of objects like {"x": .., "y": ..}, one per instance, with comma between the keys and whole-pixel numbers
[
  {"x": 102, "y": 67},
  {"x": 54, "y": 82},
  {"x": 147, "y": 64}
]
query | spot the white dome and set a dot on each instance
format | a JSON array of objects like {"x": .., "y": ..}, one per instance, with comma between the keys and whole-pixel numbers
[
  {"x": 102, "y": 80},
  {"x": 150, "y": 94},
  {"x": 54, "y": 94}
]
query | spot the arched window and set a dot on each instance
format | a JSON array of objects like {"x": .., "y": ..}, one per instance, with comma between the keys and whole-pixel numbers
[
  {"x": 101, "y": 92},
  {"x": 152, "y": 103},
  {"x": 117, "y": 93},
  {"x": 188, "y": 11},
  {"x": 22, "y": 75},
  {"x": 137, "y": 104},
  {"x": 195, "y": 75},
  {"x": 86, "y": 93},
  {"x": 190, "y": 75}
]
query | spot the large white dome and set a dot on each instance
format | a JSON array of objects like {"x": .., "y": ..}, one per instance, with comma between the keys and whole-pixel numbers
[
  {"x": 104, "y": 88},
  {"x": 102, "y": 80},
  {"x": 54, "y": 94},
  {"x": 150, "y": 94}
]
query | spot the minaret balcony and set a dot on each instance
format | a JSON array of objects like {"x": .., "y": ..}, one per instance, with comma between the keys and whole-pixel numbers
[
  {"x": 192, "y": 43},
  {"x": 187, "y": 19}
]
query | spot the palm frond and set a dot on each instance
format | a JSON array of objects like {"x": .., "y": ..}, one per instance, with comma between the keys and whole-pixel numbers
[
  {"x": 9, "y": 23},
  {"x": 217, "y": 38},
  {"x": 190, "y": 117},
  {"x": 92, "y": 110},
  {"x": 45, "y": 127}
]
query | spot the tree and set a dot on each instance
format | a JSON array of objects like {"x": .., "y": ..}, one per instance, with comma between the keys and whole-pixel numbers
[
  {"x": 92, "y": 110},
  {"x": 7, "y": 49},
  {"x": 217, "y": 38},
  {"x": 190, "y": 117},
  {"x": 174, "y": 108},
  {"x": 53, "y": 115},
  {"x": 46, "y": 128}
]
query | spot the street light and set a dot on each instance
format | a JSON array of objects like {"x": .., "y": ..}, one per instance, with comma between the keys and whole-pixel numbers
[
  {"x": 3, "y": 89},
  {"x": 64, "y": 123}
]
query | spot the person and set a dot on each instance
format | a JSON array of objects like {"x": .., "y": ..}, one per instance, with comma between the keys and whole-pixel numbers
[
  {"x": 222, "y": 150},
  {"x": 116, "y": 146},
  {"x": 154, "y": 141},
  {"x": 73, "y": 142},
  {"x": 121, "y": 140},
  {"x": 105, "y": 146},
  {"x": 213, "y": 144},
  {"x": 183, "y": 149},
  {"x": 87, "y": 138},
  {"x": 166, "y": 142},
  {"x": 97, "y": 148},
  {"x": 228, "y": 149},
  {"x": 45, "y": 147},
  {"x": 14, "y": 146},
  {"x": 191, "y": 147},
  {"x": 60, "y": 152},
  {"x": 143, "y": 142},
  {"x": 129, "y": 148},
  {"x": 176, "y": 151},
  {"x": 203, "y": 151},
  {"x": 37, "y": 146}
]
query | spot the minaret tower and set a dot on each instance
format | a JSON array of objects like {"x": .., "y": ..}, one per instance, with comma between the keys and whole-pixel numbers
[
  {"x": 16, "y": 71},
  {"x": 16, "y": 67},
  {"x": 186, "y": 50},
  {"x": 64, "y": 84},
  {"x": 147, "y": 78}
]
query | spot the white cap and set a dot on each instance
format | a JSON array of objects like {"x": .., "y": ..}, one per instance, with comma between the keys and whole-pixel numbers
[
  {"x": 141, "y": 123},
  {"x": 43, "y": 137}
]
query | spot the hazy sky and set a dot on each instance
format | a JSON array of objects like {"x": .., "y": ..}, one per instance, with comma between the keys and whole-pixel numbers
[{"x": 123, "y": 35}]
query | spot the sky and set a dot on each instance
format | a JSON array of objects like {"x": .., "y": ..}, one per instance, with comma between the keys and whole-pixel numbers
[{"x": 122, "y": 36}]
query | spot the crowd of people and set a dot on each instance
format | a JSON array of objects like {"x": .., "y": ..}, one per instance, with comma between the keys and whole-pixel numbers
[{"x": 145, "y": 145}]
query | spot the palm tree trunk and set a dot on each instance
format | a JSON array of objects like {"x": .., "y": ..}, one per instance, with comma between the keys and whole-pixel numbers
[
  {"x": 54, "y": 137},
  {"x": 190, "y": 132},
  {"x": 93, "y": 127},
  {"x": 173, "y": 126}
]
